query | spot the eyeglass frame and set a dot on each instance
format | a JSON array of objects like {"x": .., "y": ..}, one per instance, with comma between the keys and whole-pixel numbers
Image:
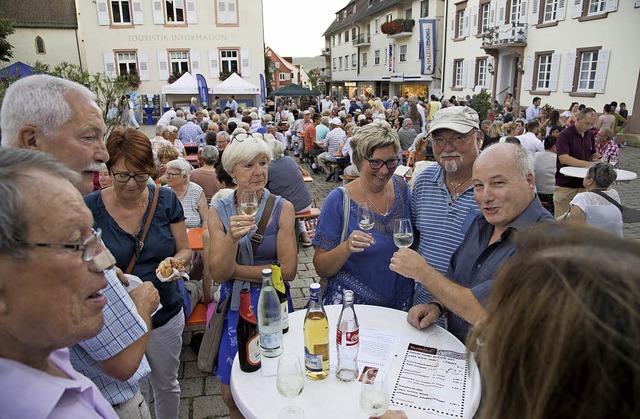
[
  {"x": 130, "y": 176},
  {"x": 235, "y": 136},
  {"x": 457, "y": 140},
  {"x": 96, "y": 236},
  {"x": 373, "y": 162},
  {"x": 169, "y": 174}
]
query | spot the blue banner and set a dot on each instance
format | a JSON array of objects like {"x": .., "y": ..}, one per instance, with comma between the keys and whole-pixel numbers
[
  {"x": 263, "y": 90},
  {"x": 427, "y": 46},
  {"x": 203, "y": 90}
]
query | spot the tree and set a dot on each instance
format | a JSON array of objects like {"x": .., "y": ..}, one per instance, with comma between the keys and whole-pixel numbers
[
  {"x": 7, "y": 27},
  {"x": 482, "y": 103}
]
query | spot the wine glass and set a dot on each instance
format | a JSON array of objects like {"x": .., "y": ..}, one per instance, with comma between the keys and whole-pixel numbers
[
  {"x": 374, "y": 395},
  {"x": 249, "y": 203},
  {"x": 290, "y": 383},
  {"x": 365, "y": 217},
  {"x": 402, "y": 232}
]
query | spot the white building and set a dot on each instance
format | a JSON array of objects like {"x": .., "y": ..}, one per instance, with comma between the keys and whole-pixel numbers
[
  {"x": 559, "y": 50},
  {"x": 385, "y": 47}
]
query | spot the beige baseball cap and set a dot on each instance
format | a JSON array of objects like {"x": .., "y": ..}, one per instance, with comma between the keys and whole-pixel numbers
[{"x": 460, "y": 119}]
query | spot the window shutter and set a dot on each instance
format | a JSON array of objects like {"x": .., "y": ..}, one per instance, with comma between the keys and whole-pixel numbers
[
  {"x": 611, "y": 6},
  {"x": 601, "y": 70},
  {"x": 163, "y": 65},
  {"x": 562, "y": 10},
  {"x": 466, "y": 22},
  {"x": 471, "y": 74},
  {"x": 492, "y": 13},
  {"x": 535, "y": 12},
  {"x": 194, "y": 55},
  {"x": 555, "y": 72},
  {"x": 245, "y": 60},
  {"x": 529, "y": 63},
  {"x": 452, "y": 26},
  {"x": 502, "y": 6},
  {"x": 143, "y": 61},
  {"x": 569, "y": 66},
  {"x": 158, "y": 17},
  {"x": 465, "y": 70},
  {"x": 474, "y": 24},
  {"x": 214, "y": 70},
  {"x": 192, "y": 16},
  {"x": 450, "y": 71},
  {"x": 109, "y": 64},
  {"x": 523, "y": 11},
  {"x": 103, "y": 13},
  {"x": 577, "y": 9},
  {"x": 231, "y": 10},
  {"x": 138, "y": 16}
]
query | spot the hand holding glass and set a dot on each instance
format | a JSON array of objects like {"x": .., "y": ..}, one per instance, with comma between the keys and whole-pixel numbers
[
  {"x": 290, "y": 383},
  {"x": 365, "y": 217},
  {"x": 374, "y": 394},
  {"x": 249, "y": 203},
  {"x": 402, "y": 232}
]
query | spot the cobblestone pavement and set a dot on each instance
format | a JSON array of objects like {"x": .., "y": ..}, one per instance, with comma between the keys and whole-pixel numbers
[{"x": 201, "y": 392}]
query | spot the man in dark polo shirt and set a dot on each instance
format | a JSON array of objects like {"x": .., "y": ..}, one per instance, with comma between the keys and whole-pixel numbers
[{"x": 576, "y": 147}]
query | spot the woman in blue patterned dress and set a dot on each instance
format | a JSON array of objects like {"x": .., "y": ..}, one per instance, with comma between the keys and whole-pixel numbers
[
  {"x": 361, "y": 262},
  {"x": 233, "y": 264}
]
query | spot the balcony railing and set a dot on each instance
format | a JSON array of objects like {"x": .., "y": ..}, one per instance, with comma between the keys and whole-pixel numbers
[
  {"x": 326, "y": 51},
  {"x": 361, "y": 40},
  {"x": 512, "y": 33}
]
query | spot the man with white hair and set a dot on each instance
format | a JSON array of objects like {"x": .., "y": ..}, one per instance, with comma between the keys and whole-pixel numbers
[
  {"x": 189, "y": 132},
  {"x": 179, "y": 120},
  {"x": 326, "y": 104}
]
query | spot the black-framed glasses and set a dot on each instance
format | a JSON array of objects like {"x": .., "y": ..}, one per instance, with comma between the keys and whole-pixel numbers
[
  {"x": 377, "y": 163},
  {"x": 123, "y": 177},
  {"x": 90, "y": 248},
  {"x": 242, "y": 136},
  {"x": 169, "y": 174},
  {"x": 456, "y": 140}
]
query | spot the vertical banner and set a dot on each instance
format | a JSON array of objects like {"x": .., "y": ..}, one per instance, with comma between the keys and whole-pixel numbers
[
  {"x": 390, "y": 59},
  {"x": 203, "y": 90},
  {"x": 263, "y": 90},
  {"x": 428, "y": 46}
]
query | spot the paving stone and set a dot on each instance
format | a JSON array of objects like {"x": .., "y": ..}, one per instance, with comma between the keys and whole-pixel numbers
[
  {"x": 192, "y": 387},
  {"x": 209, "y": 406},
  {"x": 212, "y": 386},
  {"x": 191, "y": 370}
]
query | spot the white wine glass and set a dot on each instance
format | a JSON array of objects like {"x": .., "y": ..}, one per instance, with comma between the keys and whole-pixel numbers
[
  {"x": 374, "y": 394},
  {"x": 402, "y": 232},
  {"x": 249, "y": 203},
  {"x": 365, "y": 217},
  {"x": 290, "y": 383}
]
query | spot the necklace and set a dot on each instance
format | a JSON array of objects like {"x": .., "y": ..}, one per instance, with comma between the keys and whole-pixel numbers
[
  {"x": 138, "y": 204},
  {"x": 455, "y": 195},
  {"x": 386, "y": 199},
  {"x": 181, "y": 196}
]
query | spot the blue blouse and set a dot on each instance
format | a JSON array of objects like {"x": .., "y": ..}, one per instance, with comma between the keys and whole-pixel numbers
[
  {"x": 158, "y": 245},
  {"x": 366, "y": 273}
]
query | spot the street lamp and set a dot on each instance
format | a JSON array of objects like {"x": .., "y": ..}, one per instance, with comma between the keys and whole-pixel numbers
[{"x": 490, "y": 68}]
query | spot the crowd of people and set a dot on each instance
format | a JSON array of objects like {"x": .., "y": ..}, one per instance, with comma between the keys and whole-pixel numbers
[{"x": 489, "y": 262}]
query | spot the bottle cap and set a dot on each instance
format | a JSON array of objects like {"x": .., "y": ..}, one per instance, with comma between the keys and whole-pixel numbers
[
  {"x": 314, "y": 286},
  {"x": 266, "y": 271},
  {"x": 347, "y": 295}
]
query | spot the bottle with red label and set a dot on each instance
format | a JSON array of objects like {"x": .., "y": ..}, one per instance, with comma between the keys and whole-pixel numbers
[
  {"x": 248, "y": 336},
  {"x": 347, "y": 339}
]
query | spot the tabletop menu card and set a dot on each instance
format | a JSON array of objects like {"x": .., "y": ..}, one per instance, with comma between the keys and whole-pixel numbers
[{"x": 432, "y": 380}]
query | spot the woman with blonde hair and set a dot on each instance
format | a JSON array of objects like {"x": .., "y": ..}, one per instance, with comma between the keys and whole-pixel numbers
[{"x": 509, "y": 130}]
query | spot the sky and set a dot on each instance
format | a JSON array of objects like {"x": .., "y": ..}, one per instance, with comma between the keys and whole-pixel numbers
[{"x": 294, "y": 28}]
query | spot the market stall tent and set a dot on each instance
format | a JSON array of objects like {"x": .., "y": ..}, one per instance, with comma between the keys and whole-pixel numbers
[
  {"x": 185, "y": 85},
  {"x": 245, "y": 93},
  {"x": 292, "y": 90}
]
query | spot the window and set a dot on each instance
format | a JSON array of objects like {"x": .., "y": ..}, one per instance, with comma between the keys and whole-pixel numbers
[
  {"x": 346, "y": 36},
  {"x": 403, "y": 53},
  {"x": 175, "y": 11},
  {"x": 346, "y": 62},
  {"x": 339, "y": 63},
  {"x": 354, "y": 63},
  {"x": 516, "y": 11},
  {"x": 424, "y": 8},
  {"x": 340, "y": 39},
  {"x": 587, "y": 70},
  {"x": 285, "y": 76},
  {"x": 179, "y": 61},
  {"x": 458, "y": 72},
  {"x": 127, "y": 62},
  {"x": 389, "y": 17},
  {"x": 460, "y": 23},
  {"x": 596, "y": 7},
  {"x": 335, "y": 66},
  {"x": 226, "y": 12},
  {"x": 277, "y": 65},
  {"x": 120, "y": 12},
  {"x": 484, "y": 17},
  {"x": 364, "y": 59},
  {"x": 376, "y": 25},
  {"x": 407, "y": 14},
  {"x": 550, "y": 11},
  {"x": 334, "y": 40},
  {"x": 543, "y": 70},
  {"x": 40, "y": 46},
  {"x": 229, "y": 60},
  {"x": 376, "y": 57},
  {"x": 354, "y": 33},
  {"x": 481, "y": 72}
]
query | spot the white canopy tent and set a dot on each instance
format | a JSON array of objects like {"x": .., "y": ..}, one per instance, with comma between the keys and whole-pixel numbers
[
  {"x": 240, "y": 88},
  {"x": 185, "y": 85}
]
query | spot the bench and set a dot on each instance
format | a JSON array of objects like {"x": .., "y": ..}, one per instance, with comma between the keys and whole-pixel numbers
[
  {"x": 347, "y": 178},
  {"x": 198, "y": 316}
]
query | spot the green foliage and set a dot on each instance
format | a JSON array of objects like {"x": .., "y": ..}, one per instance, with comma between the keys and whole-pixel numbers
[
  {"x": 224, "y": 75},
  {"x": 482, "y": 103},
  {"x": 7, "y": 27}
]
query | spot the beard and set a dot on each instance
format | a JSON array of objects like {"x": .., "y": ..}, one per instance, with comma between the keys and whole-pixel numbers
[{"x": 450, "y": 166}]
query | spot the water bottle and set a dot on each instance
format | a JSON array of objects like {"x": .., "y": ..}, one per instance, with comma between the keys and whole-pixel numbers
[
  {"x": 269, "y": 318},
  {"x": 347, "y": 339}
]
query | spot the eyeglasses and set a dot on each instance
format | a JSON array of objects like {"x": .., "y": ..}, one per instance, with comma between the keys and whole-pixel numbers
[
  {"x": 124, "y": 177},
  {"x": 456, "y": 140},
  {"x": 242, "y": 136},
  {"x": 169, "y": 174},
  {"x": 90, "y": 248},
  {"x": 377, "y": 163}
]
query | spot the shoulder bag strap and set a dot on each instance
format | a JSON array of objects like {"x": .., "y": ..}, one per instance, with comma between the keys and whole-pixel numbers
[
  {"x": 608, "y": 198},
  {"x": 256, "y": 239},
  {"x": 152, "y": 210},
  {"x": 345, "y": 215}
]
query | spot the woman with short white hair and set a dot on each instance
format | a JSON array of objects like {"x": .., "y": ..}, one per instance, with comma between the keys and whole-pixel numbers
[{"x": 190, "y": 194}]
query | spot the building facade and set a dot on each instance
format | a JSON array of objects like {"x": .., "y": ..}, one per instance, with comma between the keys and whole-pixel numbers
[
  {"x": 284, "y": 72},
  {"x": 385, "y": 47}
]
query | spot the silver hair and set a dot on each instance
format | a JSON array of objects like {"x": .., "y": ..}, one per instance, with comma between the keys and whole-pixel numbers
[
  {"x": 603, "y": 174},
  {"x": 182, "y": 165},
  {"x": 17, "y": 167},
  {"x": 277, "y": 148},
  {"x": 524, "y": 161},
  {"x": 406, "y": 122},
  {"x": 243, "y": 148},
  {"x": 210, "y": 155},
  {"x": 172, "y": 128},
  {"x": 160, "y": 129},
  {"x": 607, "y": 132},
  {"x": 372, "y": 136},
  {"x": 40, "y": 101},
  {"x": 224, "y": 134},
  {"x": 180, "y": 113}
]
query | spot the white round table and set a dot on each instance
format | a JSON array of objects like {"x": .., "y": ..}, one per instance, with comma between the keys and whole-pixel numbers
[
  {"x": 581, "y": 172},
  {"x": 257, "y": 397}
]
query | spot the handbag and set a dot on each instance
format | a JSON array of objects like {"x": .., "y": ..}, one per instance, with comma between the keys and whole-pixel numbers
[{"x": 210, "y": 346}]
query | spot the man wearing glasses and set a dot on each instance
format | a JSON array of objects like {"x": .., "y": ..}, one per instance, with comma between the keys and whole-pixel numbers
[{"x": 113, "y": 359}]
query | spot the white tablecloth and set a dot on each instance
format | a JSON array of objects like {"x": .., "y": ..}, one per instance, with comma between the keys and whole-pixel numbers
[
  {"x": 581, "y": 172},
  {"x": 257, "y": 397}
]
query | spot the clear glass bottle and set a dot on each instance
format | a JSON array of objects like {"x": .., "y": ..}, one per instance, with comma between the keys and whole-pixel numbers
[
  {"x": 269, "y": 319},
  {"x": 248, "y": 337},
  {"x": 278, "y": 283},
  {"x": 347, "y": 339},
  {"x": 316, "y": 336}
]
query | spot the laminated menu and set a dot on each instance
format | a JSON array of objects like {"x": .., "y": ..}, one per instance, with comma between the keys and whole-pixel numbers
[{"x": 432, "y": 380}]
